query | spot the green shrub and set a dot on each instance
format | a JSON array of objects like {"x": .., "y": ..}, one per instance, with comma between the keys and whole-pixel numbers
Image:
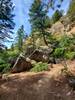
[
  {"x": 4, "y": 67},
  {"x": 65, "y": 41},
  {"x": 70, "y": 55},
  {"x": 40, "y": 67},
  {"x": 1, "y": 61},
  {"x": 59, "y": 52},
  {"x": 56, "y": 16},
  {"x": 5, "y": 58},
  {"x": 13, "y": 54}
]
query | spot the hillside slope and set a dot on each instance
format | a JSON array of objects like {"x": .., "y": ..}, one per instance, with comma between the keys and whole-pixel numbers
[{"x": 37, "y": 86}]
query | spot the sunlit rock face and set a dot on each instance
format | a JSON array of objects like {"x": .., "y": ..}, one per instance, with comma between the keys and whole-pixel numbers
[{"x": 57, "y": 28}]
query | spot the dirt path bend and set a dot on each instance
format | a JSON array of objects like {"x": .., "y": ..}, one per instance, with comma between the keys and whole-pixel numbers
[{"x": 36, "y": 86}]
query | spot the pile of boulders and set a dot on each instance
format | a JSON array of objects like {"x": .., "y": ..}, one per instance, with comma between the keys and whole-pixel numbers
[{"x": 24, "y": 63}]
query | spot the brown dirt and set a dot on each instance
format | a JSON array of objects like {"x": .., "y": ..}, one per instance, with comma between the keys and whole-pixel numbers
[{"x": 37, "y": 86}]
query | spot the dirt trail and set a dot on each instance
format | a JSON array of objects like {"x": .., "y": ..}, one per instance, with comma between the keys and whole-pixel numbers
[{"x": 37, "y": 86}]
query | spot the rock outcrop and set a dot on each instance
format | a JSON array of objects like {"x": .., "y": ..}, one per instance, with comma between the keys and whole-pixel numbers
[
  {"x": 64, "y": 25},
  {"x": 58, "y": 27}
]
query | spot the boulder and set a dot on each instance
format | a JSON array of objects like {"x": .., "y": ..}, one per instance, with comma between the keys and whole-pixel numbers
[
  {"x": 37, "y": 55},
  {"x": 21, "y": 65},
  {"x": 40, "y": 55}
]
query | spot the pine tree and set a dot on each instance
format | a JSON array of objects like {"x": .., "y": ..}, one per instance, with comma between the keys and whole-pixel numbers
[
  {"x": 38, "y": 15},
  {"x": 12, "y": 47},
  {"x": 6, "y": 20},
  {"x": 56, "y": 16},
  {"x": 20, "y": 37}
]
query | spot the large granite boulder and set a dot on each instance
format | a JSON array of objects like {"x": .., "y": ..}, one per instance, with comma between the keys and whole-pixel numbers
[
  {"x": 21, "y": 65},
  {"x": 40, "y": 55}
]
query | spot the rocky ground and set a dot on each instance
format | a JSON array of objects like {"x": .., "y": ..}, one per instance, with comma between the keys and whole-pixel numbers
[{"x": 49, "y": 85}]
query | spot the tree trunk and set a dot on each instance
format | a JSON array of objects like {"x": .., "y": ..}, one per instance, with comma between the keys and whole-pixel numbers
[{"x": 44, "y": 38}]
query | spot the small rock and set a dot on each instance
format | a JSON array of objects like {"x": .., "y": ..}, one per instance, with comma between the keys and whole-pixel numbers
[{"x": 68, "y": 94}]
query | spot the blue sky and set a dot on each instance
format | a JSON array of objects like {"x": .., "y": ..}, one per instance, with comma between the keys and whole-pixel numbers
[
  {"x": 21, "y": 14},
  {"x": 22, "y": 9}
]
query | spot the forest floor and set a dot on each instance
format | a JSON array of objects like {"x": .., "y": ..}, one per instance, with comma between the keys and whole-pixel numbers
[{"x": 50, "y": 85}]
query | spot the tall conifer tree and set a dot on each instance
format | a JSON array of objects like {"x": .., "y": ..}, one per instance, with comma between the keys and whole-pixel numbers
[
  {"x": 20, "y": 37},
  {"x": 6, "y": 20},
  {"x": 38, "y": 15}
]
